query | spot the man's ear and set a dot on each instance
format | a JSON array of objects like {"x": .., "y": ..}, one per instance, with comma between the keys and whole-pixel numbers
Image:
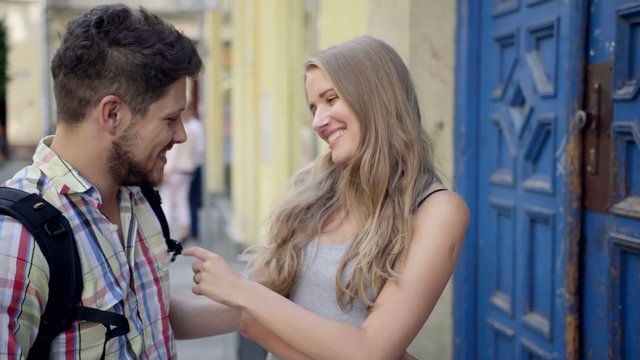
[{"x": 111, "y": 113}]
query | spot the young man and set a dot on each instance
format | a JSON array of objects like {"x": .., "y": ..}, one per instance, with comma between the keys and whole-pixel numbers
[{"x": 120, "y": 80}]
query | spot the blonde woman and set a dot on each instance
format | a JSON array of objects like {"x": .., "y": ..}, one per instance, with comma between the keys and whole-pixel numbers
[{"x": 363, "y": 245}]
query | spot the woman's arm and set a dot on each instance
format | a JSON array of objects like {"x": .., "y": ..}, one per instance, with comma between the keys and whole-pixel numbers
[
  {"x": 399, "y": 312},
  {"x": 195, "y": 317},
  {"x": 254, "y": 330}
]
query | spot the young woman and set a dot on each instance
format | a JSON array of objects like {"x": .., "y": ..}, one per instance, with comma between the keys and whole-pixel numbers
[{"x": 363, "y": 245}]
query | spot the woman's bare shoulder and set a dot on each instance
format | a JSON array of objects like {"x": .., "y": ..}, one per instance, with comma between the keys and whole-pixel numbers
[{"x": 443, "y": 211}]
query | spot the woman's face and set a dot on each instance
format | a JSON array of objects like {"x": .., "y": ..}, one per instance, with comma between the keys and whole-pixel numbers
[{"x": 333, "y": 119}]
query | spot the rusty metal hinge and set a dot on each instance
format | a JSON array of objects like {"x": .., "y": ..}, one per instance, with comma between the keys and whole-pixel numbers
[
  {"x": 592, "y": 121},
  {"x": 596, "y": 123}
]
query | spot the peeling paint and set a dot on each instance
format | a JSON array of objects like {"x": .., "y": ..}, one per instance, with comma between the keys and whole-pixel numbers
[{"x": 572, "y": 159}]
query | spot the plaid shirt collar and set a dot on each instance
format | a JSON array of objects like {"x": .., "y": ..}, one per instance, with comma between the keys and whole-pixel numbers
[{"x": 65, "y": 178}]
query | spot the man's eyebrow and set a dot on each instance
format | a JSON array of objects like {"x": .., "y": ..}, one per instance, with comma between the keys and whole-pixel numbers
[{"x": 175, "y": 112}]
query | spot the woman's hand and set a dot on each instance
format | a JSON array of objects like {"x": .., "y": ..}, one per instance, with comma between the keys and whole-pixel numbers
[{"x": 215, "y": 278}]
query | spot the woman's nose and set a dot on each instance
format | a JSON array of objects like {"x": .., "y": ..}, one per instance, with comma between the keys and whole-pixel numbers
[{"x": 320, "y": 119}]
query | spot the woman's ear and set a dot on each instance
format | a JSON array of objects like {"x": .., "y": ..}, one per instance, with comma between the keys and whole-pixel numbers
[{"x": 111, "y": 113}]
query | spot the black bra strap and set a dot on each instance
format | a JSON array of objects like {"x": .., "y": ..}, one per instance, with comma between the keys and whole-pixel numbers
[{"x": 429, "y": 194}]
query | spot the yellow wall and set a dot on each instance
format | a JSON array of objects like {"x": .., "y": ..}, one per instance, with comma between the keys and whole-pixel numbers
[
  {"x": 24, "y": 107},
  {"x": 244, "y": 112},
  {"x": 280, "y": 44},
  {"x": 340, "y": 20},
  {"x": 432, "y": 63},
  {"x": 24, "y": 90},
  {"x": 211, "y": 100},
  {"x": 267, "y": 105}
]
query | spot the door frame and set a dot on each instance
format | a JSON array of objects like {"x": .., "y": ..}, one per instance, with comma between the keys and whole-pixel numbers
[
  {"x": 466, "y": 172},
  {"x": 467, "y": 83}
]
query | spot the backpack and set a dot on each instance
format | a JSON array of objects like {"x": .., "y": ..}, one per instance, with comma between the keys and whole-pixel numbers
[{"x": 52, "y": 232}]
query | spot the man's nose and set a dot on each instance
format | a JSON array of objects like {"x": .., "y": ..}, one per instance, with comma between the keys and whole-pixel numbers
[{"x": 180, "y": 134}]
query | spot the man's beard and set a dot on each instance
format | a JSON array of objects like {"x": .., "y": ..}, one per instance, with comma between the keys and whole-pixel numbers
[{"x": 124, "y": 169}]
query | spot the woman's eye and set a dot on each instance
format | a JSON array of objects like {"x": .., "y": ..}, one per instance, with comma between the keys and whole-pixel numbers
[{"x": 332, "y": 99}]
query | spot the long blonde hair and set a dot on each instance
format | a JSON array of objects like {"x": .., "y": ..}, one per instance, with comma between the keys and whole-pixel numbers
[{"x": 379, "y": 185}]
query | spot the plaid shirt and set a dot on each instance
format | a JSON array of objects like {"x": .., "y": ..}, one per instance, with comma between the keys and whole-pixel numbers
[{"x": 133, "y": 281}]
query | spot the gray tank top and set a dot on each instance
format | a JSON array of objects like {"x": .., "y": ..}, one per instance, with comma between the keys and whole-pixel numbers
[{"x": 315, "y": 288}]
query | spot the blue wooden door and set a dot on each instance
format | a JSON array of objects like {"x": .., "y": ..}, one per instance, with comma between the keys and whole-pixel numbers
[
  {"x": 548, "y": 156},
  {"x": 518, "y": 90},
  {"x": 611, "y": 291}
]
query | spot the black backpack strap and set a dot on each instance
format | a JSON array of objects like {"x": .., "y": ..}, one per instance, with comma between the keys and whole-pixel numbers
[
  {"x": 116, "y": 324},
  {"x": 52, "y": 232},
  {"x": 153, "y": 197}
]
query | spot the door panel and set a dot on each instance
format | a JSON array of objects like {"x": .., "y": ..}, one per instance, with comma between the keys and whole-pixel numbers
[
  {"x": 611, "y": 291},
  {"x": 527, "y": 77},
  {"x": 526, "y": 152}
]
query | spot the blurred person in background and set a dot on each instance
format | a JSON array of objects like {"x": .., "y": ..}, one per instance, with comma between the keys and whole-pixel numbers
[
  {"x": 195, "y": 189},
  {"x": 183, "y": 160}
]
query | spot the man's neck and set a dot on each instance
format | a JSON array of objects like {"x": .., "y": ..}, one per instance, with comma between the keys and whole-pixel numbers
[{"x": 88, "y": 157}]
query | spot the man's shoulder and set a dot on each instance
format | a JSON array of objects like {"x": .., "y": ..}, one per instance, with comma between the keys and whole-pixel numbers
[{"x": 30, "y": 179}]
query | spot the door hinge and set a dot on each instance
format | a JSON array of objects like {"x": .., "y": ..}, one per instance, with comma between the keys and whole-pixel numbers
[
  {"x": 596, "y": 123},
  {"x": 591, "y": 126}
]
